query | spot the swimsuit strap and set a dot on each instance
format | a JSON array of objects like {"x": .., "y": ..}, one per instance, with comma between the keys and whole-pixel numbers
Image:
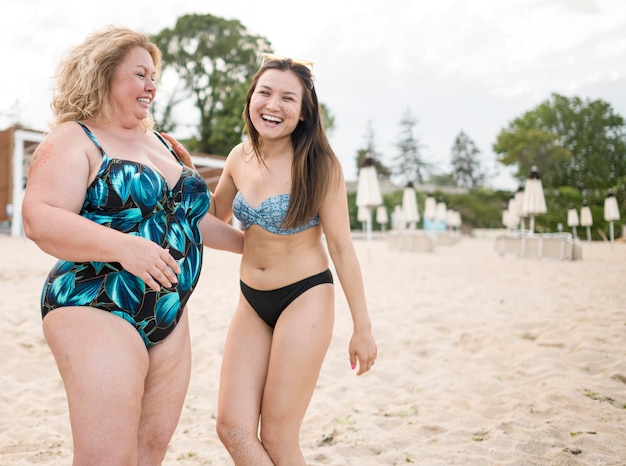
[
  {"x": 99, "y": 146},
  {"x": 169, "y": 148},
  {"x": 91, "y": 135}
]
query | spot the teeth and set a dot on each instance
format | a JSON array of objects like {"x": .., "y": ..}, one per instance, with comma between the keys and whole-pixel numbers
[
  {"x": 271, "y": 118},
  {"x": 144, "y": 100}
]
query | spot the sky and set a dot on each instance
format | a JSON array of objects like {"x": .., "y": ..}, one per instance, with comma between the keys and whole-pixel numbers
[{"x": 455, "y": 65}]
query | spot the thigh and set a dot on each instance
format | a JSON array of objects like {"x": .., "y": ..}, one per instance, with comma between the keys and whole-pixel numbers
[
  {"x": 301, "y": 339},
  {"x": 244, "y": 368},
  {"x": 103, "y": 362},
  {"x": 165, "y": 390}
]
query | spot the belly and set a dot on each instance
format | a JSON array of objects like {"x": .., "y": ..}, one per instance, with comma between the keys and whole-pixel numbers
[{"x": 271, "y": 261}]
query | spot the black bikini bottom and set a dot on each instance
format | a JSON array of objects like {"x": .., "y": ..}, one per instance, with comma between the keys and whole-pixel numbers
[{"x": 269, "y": 304}]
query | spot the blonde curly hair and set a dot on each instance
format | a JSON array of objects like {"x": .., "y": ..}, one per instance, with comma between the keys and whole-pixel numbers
[{"x": 84, "y": 76}]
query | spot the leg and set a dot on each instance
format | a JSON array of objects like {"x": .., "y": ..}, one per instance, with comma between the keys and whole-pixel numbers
[
  {"x": 103, "y": 363},
  {"x": 301, "y": 339},
  {"x": 242, "y": 378},
  {"x": 165, "y": 390}
]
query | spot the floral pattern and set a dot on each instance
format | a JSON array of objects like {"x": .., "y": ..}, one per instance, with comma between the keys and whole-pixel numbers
[{"x": 135, "y": 199}]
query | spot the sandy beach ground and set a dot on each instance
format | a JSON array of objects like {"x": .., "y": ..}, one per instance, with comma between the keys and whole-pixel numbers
[{"x": 483, "y": 360}]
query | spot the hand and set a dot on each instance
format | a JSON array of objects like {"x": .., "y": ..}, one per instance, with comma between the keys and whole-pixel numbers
[
  {"x": 363, "y": 349},
  {"x": 185, "y": 157},
  {"x": 150, "y": 262}
]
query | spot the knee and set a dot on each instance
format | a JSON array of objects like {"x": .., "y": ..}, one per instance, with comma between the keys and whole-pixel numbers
[
  {"x": 152, "y": 449},
  {"x": 231, "y": 434},
  {"x": 271, "y": 438}
]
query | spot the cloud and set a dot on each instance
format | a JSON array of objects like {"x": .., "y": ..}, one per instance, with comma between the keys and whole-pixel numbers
[{"x": 456, "y": 64}]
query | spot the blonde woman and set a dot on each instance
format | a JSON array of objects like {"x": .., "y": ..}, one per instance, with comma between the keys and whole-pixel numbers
[{"x": 127, "y": 220}]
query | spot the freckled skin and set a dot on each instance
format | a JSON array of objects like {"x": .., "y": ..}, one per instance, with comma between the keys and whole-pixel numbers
[{"x": 41, "y": 155}]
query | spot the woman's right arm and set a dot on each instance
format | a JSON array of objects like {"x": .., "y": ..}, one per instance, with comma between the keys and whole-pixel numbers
[{"x": 58, "y": 178}]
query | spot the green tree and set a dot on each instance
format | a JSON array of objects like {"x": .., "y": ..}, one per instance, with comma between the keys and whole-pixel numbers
[
  {"x": 570, "y": 140},
  {"x": 410, "y": 162},
  {"x": 369, "y": 151},
  {"x": 214, "y": 58},
  {"x": 466, "y": 167}
]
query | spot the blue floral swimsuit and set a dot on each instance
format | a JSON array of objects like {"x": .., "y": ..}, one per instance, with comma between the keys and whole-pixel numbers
[{"x": 135, "y": 199}]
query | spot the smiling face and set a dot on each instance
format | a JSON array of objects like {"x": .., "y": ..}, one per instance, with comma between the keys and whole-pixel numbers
[
  {"x": 276, "y": 103},
  {"x": 133, "y": 87}
]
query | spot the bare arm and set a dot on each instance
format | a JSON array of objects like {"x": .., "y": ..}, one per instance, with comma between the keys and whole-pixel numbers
[
  {"x": 217, "y": 234},
  {"x": 336, "y": 224},
  {"x": 226, "y": 188},
  {"x": 57, "y": 182}
]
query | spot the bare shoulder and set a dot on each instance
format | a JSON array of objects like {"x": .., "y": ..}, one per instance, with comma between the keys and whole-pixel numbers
[
  {"x": 62, "y": 145},
  {"x": 239, "y": 155},
  {"x": 238, "y": 152},
  {"x": 66, "y": 135}
]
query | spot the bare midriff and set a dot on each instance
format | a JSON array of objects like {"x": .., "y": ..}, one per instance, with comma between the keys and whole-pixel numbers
[{"x": 271, "y": 261}]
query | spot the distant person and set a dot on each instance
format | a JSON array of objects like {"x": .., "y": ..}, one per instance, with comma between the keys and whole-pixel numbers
[
  {"x": 286, "y": 188},
  {"x": 108, "y": 197}
]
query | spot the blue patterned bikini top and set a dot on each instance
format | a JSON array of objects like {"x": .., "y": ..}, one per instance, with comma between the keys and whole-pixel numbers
[{"x": 269, "y": 215}]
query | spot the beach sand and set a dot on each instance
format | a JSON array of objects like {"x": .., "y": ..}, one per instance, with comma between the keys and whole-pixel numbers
[{"x": 483, "y": 360}]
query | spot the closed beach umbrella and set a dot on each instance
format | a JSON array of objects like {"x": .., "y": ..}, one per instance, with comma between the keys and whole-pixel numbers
[
  {"x": 513, "y": 213},
  {"x": 450, "y": 218},
  {"x": 454, "y": 219},
  {"x": 368, "y": 190},
  {"x": 533, "y": 202},
  {"x": 509, "y": 220},
  {"x": 381, "y": 216},
  {"x": 519, "y": 200},
  {"x": 397, "y": 218},
  {"x": 586, "y": 220},
  {"x": 362, "y": 214},
  {"x": 430, "y": 209},
  {"x": 572, "y": 218},
  {"x": 368, "y": 194},
  {"x": 409, "y": 206},
  {"x": 441, "y": 212},
  {"x": 611, "y": 211}
]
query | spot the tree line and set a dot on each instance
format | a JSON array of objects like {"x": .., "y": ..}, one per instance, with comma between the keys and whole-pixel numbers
[{"x": 574, "y": 142}]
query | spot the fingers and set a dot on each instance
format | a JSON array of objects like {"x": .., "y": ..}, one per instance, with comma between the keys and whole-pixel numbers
[
  {"x": 164, "y": 273},
  {"x": 165, "y": 276},
  {"x": 178, "y": 147},
  {"x": 172, "y": 140},
  {"x": 365, "y": 363},
  {"x": 170, "y": 261}
]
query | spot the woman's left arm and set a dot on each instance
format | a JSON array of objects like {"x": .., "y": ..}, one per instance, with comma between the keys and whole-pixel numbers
[{"x": 336, "y": 224}]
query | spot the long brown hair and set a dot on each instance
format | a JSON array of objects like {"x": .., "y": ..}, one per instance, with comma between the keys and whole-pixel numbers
[{"x": 314, "y": 161}]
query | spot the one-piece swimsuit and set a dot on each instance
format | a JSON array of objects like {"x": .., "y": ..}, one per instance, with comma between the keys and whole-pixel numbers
[{"x": 136, "y": 199}]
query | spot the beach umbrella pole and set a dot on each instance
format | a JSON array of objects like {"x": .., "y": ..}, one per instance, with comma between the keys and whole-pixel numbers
[
  {"x": 611, "y": 232},
  {"x": 589, "y": 234}
]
